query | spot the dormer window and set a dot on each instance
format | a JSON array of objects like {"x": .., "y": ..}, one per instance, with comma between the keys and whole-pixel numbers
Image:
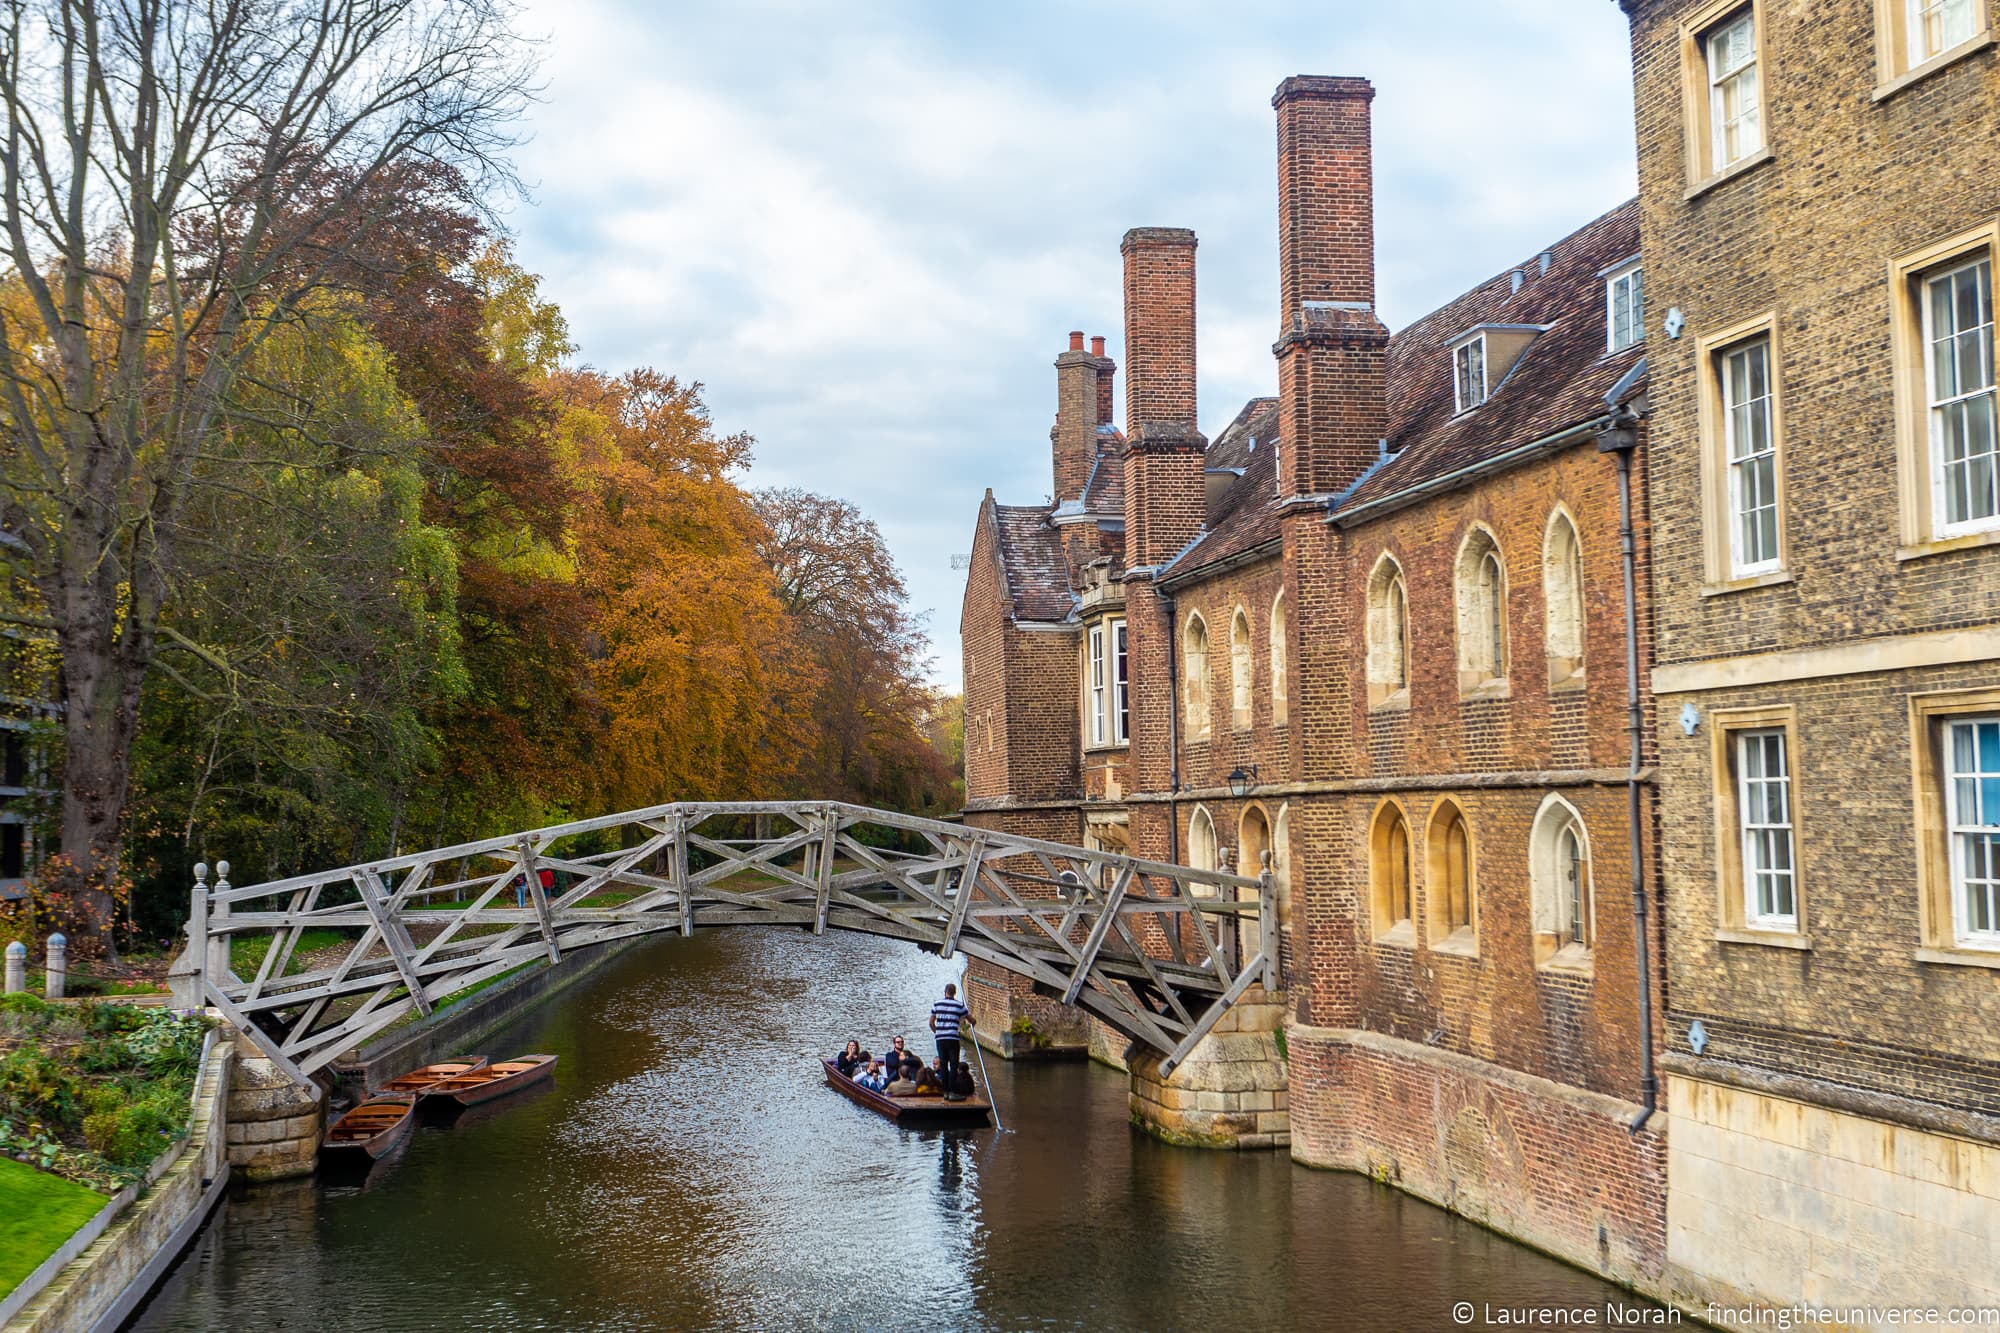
[
  {"x": 1469, "y": 365},
  {"x": 1624, "y": 307}
]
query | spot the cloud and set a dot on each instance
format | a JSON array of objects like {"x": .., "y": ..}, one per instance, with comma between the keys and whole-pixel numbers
[{"x": 867, "y": 228}]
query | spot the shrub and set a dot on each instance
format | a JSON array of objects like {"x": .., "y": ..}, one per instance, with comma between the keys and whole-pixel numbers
[{"x": 34, "y": 1086}]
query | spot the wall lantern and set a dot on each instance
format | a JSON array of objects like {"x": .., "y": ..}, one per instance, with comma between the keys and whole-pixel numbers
[{"x": 1239, "y": 781}]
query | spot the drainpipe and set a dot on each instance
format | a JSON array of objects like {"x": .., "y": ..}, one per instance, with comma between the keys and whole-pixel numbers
[
  {"x": 1173, "y": 734},
  {"x": 1620, "y": 440}
]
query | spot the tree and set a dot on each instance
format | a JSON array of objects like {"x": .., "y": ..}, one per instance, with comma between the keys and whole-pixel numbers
[
  {"x": 837, "y": 580},
  {"x": 179, "y": 183}
]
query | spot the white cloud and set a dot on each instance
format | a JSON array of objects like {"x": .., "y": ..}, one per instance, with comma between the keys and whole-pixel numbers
[{"x": 867, "y": 228}]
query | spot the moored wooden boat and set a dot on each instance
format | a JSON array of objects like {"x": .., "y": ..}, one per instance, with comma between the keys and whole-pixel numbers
[
  {"x": 370, "y": 1129},
  {"x": 421, "y": 1080},
  {"x": 494, "y": 1080},
  {"x": 909, "y": 1110}
]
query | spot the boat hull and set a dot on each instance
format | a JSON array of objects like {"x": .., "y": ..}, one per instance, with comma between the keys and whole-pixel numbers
[
  {"x": 974, "y": 1110},
  {"x": 484, "y": 1086},
  {"x": 419, "y": 1081},
  {"x": 344, "y": 1144}
]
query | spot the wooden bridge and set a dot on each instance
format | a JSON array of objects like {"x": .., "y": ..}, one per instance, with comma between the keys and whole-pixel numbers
[{"x": 1157, "y": 951}]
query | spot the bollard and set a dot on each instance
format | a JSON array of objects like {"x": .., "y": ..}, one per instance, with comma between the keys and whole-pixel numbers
[
  {"x": 217, "y": 962},
  {"x": 58, "y": 967},
  {"x": 17, "y": 968}
]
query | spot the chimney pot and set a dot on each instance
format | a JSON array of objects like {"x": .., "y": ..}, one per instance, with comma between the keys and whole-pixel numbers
[
  {"x": 1097, "y": 346},
  {"x": 1076, "y": 340}
]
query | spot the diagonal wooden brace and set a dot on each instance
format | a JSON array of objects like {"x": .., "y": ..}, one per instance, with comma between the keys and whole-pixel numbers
[
  {"x": 540, "y": 898},
  {"x": 1095, "y": 940},
  {"x": 394, "y": 936},
  {"x": 829, "y": 837},
  {"x": 968, "y": 884}
]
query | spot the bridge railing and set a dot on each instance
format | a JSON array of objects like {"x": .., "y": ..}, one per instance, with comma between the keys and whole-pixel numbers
[{"x": 312, "y": 966}]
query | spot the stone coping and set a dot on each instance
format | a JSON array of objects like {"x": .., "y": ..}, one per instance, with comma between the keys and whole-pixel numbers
[{"x": 103, "y": 1272}]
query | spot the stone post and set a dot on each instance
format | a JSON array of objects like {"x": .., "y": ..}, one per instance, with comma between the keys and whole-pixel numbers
[
  {"x": 17, "y": 968},
  {"x": 184, "y": 978},
  {"x": 274, "y": 1124},
  {"x": 217, "y": 964},
  {"x": 58, "y": 966},
  {"x": 1233, "y": 1090}
]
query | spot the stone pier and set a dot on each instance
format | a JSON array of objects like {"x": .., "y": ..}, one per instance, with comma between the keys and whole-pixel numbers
[
  {"x": 1232, "y": 1090},
  {"x": 274, "y": 1124}
]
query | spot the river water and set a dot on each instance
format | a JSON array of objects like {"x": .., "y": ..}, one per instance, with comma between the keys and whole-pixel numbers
[{"x": 689, "y": 1170}]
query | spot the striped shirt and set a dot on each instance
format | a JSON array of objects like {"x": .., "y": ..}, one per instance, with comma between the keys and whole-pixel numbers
[{"x": 947, "y": 1014}]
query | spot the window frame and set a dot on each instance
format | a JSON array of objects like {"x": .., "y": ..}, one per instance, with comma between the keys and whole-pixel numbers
[
  {"x": 1197, "y": 690},
  {"x": 1941, "y": 939},
  {"x": 1387, "y": 595},
  {"x": 1633, "y": 274},
  {"x": 1459, "y": 376},
  {"x": 1242, "y": 670},
  {"x": 1384, "y": 898},
  {"x": 1721, "y": 570},
  {"x": 1926, "y": 309},
  {"x": 1699, "y": 122},
  {"x": 1566, "y": 670},
  {"x": 1482, "y": 622},
  {"x": 1918, "y": 465},
  {"x": 1559, "y": 940},
  {"x": 1752, "y": 829},
  {"x": 1281, "y": 694},
  {"x": 1096, "y": 691},
  {"x": 1736, "y": 920},
  {"x": 1897, "y": 64},
  {"x": 1121, "y": 693}
]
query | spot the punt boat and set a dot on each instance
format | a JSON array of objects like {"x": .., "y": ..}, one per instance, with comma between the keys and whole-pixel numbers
[
  {"x": 494, "y": 1080},
  {"x": 931, "y": 1110},
  {"x": 370, "y": 1129},
  {"x": 419, "y": 1081}
]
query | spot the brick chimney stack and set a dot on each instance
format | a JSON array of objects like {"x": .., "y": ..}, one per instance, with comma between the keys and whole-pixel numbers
[
  {"x": 1332, "y": 348},
  {"x": 1074, "y": 438},
  {"x": 1163, "y": 481},
  {"x": 1107, "y": 370}
]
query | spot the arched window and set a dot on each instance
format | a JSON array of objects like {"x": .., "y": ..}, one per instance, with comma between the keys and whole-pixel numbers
[
  {"x": 1482, "y": 612},
  {"x": 1451, "y": 893},
  {"x": 1280, "y": 695},
  {"x": 1201, "y": 840},
  {"x": 1194, "y": 678},
  {"x": 1253, "y": 842},
  {"x": 1389, "y": 874},
  {"x": 1281, "y": 866},
  {"x": 1388, "y": 634},
  {"x": 1562, "y": 589},
  {"x": 1241, "y": 670},
  {"x": 1559, "y": 880}
]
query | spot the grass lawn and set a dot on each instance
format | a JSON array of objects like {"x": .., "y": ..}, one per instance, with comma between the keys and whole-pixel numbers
[
  {"x": 246, "y": 952},
  {"x": 38, "y": 1212}
]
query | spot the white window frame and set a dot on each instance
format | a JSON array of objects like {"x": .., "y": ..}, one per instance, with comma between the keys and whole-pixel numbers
[
  {"x": 1632, "y": 276},
  {"x": 1096, "y": 691},
  {"x": 1741, "y": 468},
  {"x": 1936, "y": 407},
  {"x": 1970, "y": 824},
  {"x": 1121, "y": 713},
  {"x": 1468, "y": 359},
  {"x": 1915, "y": 28},
  {"x": 1721, "y": 80},
  {"x": 1756, "y": 833}
]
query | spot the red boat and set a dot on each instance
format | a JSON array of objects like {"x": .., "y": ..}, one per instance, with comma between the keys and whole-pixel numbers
[
  {"x": 925, "y": 1110},
  {"x": 497, "y": 1080},
  {"x": 369, "y": 1130},
  {"x": 419, "y": 1081}
]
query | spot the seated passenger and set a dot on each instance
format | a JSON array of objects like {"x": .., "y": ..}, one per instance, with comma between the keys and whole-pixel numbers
[
  {"x": 897, "y": 1056},
  {"x": 873, "y": 1077},
  {"x": 902, "y": 1085},
  {"x": 927, "y": 1080},
  {"x": 851, "y": 1059}
]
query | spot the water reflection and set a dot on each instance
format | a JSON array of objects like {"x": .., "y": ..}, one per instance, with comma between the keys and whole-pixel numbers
[{"x": 688, "y": 1170}]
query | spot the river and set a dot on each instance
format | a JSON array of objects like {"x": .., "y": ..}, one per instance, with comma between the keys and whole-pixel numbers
[{"x": 689, "y": 1170}]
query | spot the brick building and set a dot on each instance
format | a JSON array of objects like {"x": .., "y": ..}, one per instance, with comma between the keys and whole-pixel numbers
[
  {"x": 1388, "y": 605},
  {"x": 1820, "y": 186}
]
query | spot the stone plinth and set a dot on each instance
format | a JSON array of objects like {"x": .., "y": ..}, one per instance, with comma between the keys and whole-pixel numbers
[
  {"x": 1231, "y": 1092},
  {"x": 274, "y": 1124}
]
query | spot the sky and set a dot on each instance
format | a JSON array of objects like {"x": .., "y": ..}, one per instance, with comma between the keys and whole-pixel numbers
[{"x": 867, "y": 227}]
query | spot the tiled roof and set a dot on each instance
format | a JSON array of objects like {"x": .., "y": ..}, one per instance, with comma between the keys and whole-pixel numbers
[
  {"x": 1560, "y": 380},
  {"x": 1031, "y": 557},
  {"x": 1248, "y": 515},
  {"x": 1104, "y": 490}
]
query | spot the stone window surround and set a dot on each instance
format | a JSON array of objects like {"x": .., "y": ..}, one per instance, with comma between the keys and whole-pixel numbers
[
  {"x": 1717, "y": 564},
  {"x": 1566, "y": 670},
  {"x": 1242, "y": 670},
  {"x": 1388, "y": 671},
  {"x": 1547, "y": 893},
  {"x": 1938, "y": 941},
  {"x": 1732, "y": 923},
  {"x": 1443, "y": 938},
  {"x": 1280, "y": 688},
  {"x": 1385, "y": 926},
  {"x": 1480, "y": 677},
  {"x": 1914, "y": 489},
  {"x": 1107, "y": 632},
  {"x": 1702, "y": 172},
  {"x": 1197, "y": 678},
  {"x": 1892, "y": 63}
]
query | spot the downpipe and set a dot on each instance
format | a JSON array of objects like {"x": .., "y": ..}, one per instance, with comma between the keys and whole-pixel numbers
[
  {"x": 1173, "y": 731},
  {"x": 1620, "y": 441}
]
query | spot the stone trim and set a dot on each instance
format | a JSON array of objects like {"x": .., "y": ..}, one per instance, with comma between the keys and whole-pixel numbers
[
  {"x": 1836, "y": 1097},
  {"x": 1894, "y": 652}
]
